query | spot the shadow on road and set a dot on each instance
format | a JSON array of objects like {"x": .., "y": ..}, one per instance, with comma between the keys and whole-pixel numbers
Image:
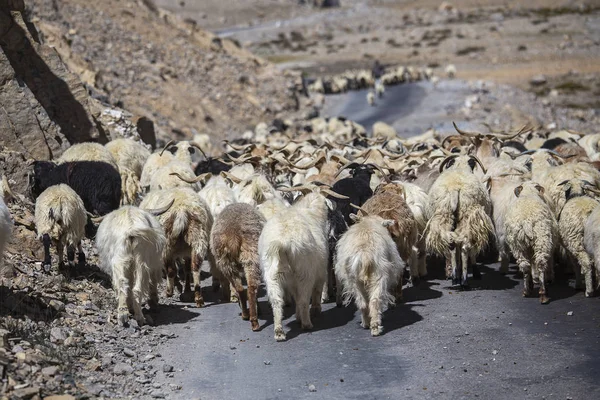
[{"x": 173, "y": 314}]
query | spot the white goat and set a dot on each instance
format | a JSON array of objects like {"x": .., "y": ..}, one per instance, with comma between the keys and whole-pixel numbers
[
  {"x": 130, "y": 157},
  {"x": 459, "y": 226},
  {"x": 60, "y": 218},
  {"x": 369, "y": 268},
  {"x": 130, "y": 244},
  {"x": 532, "y": 235},
  {"x": 88, "y": 152},
  {"x": 294, "y": 253},
  {"x": 187, "y": 225}
]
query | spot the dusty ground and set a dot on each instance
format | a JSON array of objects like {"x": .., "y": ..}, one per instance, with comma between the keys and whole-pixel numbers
[{"x": 504, "y": 41}]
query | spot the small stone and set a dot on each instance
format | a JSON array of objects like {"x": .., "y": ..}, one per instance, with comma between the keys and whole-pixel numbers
[
  {"x": 60, "y": 397},
  {"x": 232, "y": 347},
  {"x": 128, "y": 352},
  {"x": 570, "y": 313},
  {"x": 312, "y": 388},
  {"x": 494, "y": 352},
  {"x": 50, "y": 371},
  {"x": 57, "y": 305},
  {"x": 122, "y": 369},
  {"x": 167, "y": 368},
  {"x": 25, "y": 393},
  {"x": 267, "y": 362},
  {"x": 57, "y": 335},
  {"x": 157, "y": 394},
  {"x": 149, "y": 357},
  {"x": 538, "y": 80}
]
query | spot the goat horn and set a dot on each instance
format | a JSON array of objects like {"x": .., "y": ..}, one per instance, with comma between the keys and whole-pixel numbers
[
  {"x": 349, "y": 165},
  {"x": 466, "y": 133},
  {"x": 359, "y": 208},
  {"x": 197, "y": 179},
  {"x": 95, "y": 219},
  {"x": 311, "y": 164},
  {"x": 196, "y": 145},
  {"x": 478, "y": 161},
  {"x": 232, "y": 178},
  {"x": 302, "y": 188},
  {"x": 170, "y": 142},
  {"x": 334, "y": 194},
  {"x": 161, "y": 210},
  {"x": 446, "y": 160},
  {"x": 383, "y": 174},
  {"x": 236, "y": 147}
]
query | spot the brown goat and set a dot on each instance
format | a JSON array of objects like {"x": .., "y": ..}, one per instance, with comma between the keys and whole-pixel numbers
[
  {"x": 389, "y": 203},
  {"x": 234, "y": 244}
]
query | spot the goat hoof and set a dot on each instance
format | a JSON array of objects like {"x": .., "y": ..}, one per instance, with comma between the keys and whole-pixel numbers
[
  {"x": 525, "y": 293},
  {"x": 47, "y": 266},
  {"x": 376, "y": 330},
  {"x": 315, "y": 311},
  {"x": 589, "y": 294},
  {"x": 233, "y": 299},
  {"x": 307, "y": 327},
  {"x": 456, "y": 281},
  {"x": 544, "y": 299},
  {"x": 245, "y": 317},
  {"x": 255, "y": 326},
  {"x": 279, "y": 335}
]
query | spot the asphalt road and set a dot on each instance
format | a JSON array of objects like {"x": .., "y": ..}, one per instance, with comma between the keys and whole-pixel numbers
[{"x": 487, "y": 343}]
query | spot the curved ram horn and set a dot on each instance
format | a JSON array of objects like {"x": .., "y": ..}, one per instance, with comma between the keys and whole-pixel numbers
[
  {"x": 446, "y": 160},
  {"x": 238, "y": 148},
  {"x": 383, "y": 174},
  {"x": 94, "y": 218},
  {"x": 311, "y": 164},
  {"x": 170, "y": 142},
  {"x": 161, "y": 210}
]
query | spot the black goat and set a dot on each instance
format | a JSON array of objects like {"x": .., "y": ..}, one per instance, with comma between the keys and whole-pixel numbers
[
  {"x": 357, "y": 188},
  {"x": 97, "y": 183}
]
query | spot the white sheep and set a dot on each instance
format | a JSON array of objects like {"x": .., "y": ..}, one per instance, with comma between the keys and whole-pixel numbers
[
  {"x": 130, "y": 156},
  {"x": 592, "y": 240},
  {"x": 532, "y": 236},
  {"x": 130, "y": 244},
  {"x": 187, "y": 225},
  {"x": 459, "y": 210},
  {"x": 88, "y": 152},
  {"x": 60, "y": 218},
  {"x": 294, "y": 253},
  {"x": 369, "y": 268}
]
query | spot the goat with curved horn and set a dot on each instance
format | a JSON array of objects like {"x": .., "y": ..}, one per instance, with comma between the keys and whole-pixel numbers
[
  {"x": 170, "y": 142},
  {"x": 199, "y": 178},
  {"x": 161, "y": 210},
  {"x": 478, "y": 161},
  {"x": 446, "y": 161},
  {"x": 196, "y": 145}
]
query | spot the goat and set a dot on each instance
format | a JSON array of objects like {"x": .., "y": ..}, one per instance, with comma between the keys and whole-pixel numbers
[
  {"x": 532, "y": 236},
  {"x": 88, "y": 152},
  {"x": 369, "y": 268},
  {"x": 187, "y": 226},
  {"x": 234, "y": 244},
  {"x": 60, "y": 218},
  {"x": 591, "y": 240},
  {"x": 97, "y": 183},
  {"x": 459, "y": 215},
  {"x": 130, "y": 244},
  {"x": 130, "y": 157}
]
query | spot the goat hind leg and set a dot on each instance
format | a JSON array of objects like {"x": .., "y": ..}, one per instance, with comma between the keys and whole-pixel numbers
[{"x": 196, "y": 264}]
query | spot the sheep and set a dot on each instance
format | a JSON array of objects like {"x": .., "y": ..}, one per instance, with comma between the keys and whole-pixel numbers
[
  {"x": 591, "y": 240},
  {"x": 371, "y": 98},
  {"x": 130, "y": 243},
  {"x": 388, "y": 203},
  {"x": 88, "y": 152},
  {"x": 234, "y": 244},
  {"x": 130, "y": 157},
  {"x": 532, "y": 235},
  {"x": 187, "y": 226},
  {"x": 379, "y": 89},
  {"x": 580, "y": 203},
  {"x": 293, "y": 254},
  {"x": 459, "y": 215},
  {"x": 6, "y": 223},
  {"x": 369, "y": 268},
  {"x": 60, "y": 218},
  {"x": 97, "y": 183},
  {"x": 450, "y": 71}
]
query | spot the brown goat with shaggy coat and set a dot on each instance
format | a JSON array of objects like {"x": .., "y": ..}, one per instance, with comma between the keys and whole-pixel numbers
[
  {"x": 389, "y": 203},
  {"x": 234, "y": 243}
]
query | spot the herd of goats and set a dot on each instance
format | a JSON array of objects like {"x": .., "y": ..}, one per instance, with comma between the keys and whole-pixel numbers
[{"x": 320, "y": 209}]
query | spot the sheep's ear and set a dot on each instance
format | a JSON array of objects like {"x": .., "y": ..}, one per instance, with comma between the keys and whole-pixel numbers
[
  {"x": 540, "y": 189},
  {"x": 354, "y": 217},
  {"x": 518, "y": 190},
  {"x": 387, "y": 222}
]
